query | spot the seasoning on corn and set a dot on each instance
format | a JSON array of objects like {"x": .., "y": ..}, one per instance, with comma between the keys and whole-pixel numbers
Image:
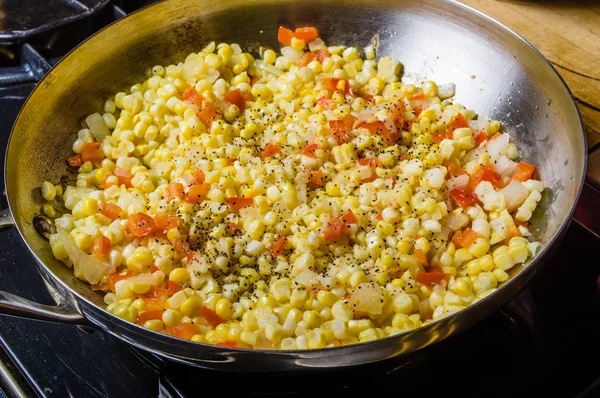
[{"x": 296, "y": 201}]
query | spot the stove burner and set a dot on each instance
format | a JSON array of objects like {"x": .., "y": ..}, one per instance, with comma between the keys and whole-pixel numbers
[{"x": 20, "y": 19}]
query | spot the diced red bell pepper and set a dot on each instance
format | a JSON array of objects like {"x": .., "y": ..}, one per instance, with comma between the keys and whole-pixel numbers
[
  {"x": 191, "y": 95},
  {"x": 284, "y": 36},
  {"x": 523, "y": 172},
  {"x": 211, "y": 316},
  {"x": 462, "y": 197},
  {"x": 307, "y": 33},
  {"x": 310, "y": 149},
  {"x": 270, "y": 150},
  {"x": 140, "y": 225},
  {"x": 237, "y": 203},
  {"x": 432, "y": 278}
]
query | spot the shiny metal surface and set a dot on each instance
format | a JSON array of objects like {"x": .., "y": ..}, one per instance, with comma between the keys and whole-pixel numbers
[
  {"x": 18, "y": 306},
  {"x": 496, "y": 73},
  {"x": 6, "y": 220},
  {"x": 25, "y": 18}
]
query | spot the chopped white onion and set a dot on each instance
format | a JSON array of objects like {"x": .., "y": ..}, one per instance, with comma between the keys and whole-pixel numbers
[
  {"x": 423, "y": 103},
  {"x": 389, "y": 125},
  {"x": 144, "y": 278},
  {"x": 317, "y": 44},
  {"x": 446, "y": 90},
  {"x": 307, "y": 278},
  {"x": 457, "y": 221},
  {"x": 85, "y": 265},
  {"x": 212, "y": 76},
  {"x": 445, "y": 234},
  {"x": 478, "y": 124},
  {"x": 291, "y": 53},
  {"x": 97, "y": 126},
  {"x": 515, "y": 194},
  {"x": 301, "y": 191},
  {"x": 367, "y": 297},
  {"x": 474, "y": 154},
  {"x": 250, "y": 211},
  {"x": 458, "y": 181},
  {"x": 364, "y": 116},
  {"x": 191, "y": 105},
  {"x": 496, "y": 146},
  {"x": 265, "y": 67},
  {"x": 505, "y": 166}
]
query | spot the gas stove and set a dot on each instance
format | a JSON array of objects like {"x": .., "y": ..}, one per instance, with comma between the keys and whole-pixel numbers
[{"x": 541, "y": 343}]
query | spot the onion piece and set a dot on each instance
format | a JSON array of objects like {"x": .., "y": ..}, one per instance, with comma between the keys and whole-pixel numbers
[
  {"x": 212, "y": 76},
  {"x": 250, "y": 211},
  {"x": 265, "y": 67},
  {"x": 515, "y": 194},
  {"x": 144, "y": 278},
  {"x": 446, "y": 90},
  {"x": 317, "y": 44},
  {"x": 457, "y": 221},
  {"x": 458, "y": 181},
  {"x": 423, "y": 103},
  {"x": 495, "y": 147},
  {"x": 367, "y": 297},
  {"x": 301, "y": 191},
  {"x": 445, "y": 233},
  {"x": 191, "y": 105},
  {"x": 307, "y": 278},
  {"x": 85, "y": 265},
  {"x": 97, "y": 127},
  {"x": 364, "y": 116},
  {"x": 474, "y": 154},
  {"x": 389, "y": 125},
  {"x": 477, "y": 125},
  {"x": 505, "y": 166},
  {"x": 291, "y": 53}
]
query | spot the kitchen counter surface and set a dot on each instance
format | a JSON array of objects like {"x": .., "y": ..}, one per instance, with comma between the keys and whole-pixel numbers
[{"x": 568, "y": 34}]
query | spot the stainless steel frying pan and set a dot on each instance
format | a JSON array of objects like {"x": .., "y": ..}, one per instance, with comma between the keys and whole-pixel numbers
[{"x": 496, "y": 73}]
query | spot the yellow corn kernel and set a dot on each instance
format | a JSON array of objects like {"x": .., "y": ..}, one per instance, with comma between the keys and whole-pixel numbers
[
  {"x": 357, "y": 278},
  {"x": 340, "y": 310},
  {"x": 500, "y": 275},
  {"x": 180, "y": 276},
  {"x": 281, "y": 291},
  {"x": 249, "y": 337},
  {"x": 48, "y": 191},
  {"x": 89, "y": 206},
  {"x": 502, "y": 258},
  {"x": 479, "y": 247},
  {"x": 198, "y": 338},
  {"x": 474, "y": 267},
  {"x": 274, "y": 332},
  {"x": 49, "y": 210},
  {"x": 333, "y": 189},
  {"x": 138, "y": 287},
  {"x": 463, "y": 287},
  {"x": 386, "y": 228},
  {"x": 297, "y": 44},
  {"x": 140, "y": 259},
  {"x": 298, "y": 298},
  {"x": 127, "y": 312},
  {"x": 461, "y": 256},
  {"x": 190, "y": 304},
  {"x": 154, "y": 324}
]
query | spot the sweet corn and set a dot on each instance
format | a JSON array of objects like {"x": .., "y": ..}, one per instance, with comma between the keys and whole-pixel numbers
[{"x": 249, "y": 196}]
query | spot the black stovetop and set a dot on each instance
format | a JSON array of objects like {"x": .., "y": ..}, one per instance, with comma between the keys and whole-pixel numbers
[{"x": 542, "y": 344}]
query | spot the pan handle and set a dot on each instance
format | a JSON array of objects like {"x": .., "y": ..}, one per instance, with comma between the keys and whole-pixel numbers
[{"x": 12, "y": 305}]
